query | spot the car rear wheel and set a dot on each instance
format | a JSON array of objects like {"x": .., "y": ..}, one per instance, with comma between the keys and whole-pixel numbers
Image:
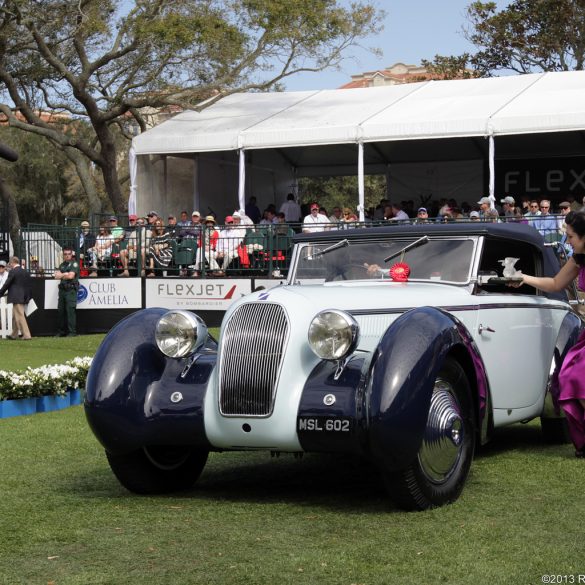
[
  {"x": 158, "y": 469},
  {"x": 555, "y": 431},
  {"x": 438, "y": 473}
]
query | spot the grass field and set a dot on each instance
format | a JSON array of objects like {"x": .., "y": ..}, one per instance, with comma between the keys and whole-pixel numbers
[{"x": 253, "y": 519}]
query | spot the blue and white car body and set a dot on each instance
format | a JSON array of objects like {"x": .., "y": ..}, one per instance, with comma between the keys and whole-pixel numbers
[{"x": 342, "y": 358}]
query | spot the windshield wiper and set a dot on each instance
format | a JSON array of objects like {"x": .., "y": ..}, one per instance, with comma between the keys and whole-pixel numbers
[
  {"x": 337, "y": 245},
  {"x": 415, "y": 244}
]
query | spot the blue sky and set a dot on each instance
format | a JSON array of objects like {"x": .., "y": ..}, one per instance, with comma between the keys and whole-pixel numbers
[{"x": 413, "y": 30}]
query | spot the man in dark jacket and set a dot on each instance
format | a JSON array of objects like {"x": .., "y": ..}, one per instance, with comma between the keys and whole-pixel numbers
[{"x": 19, "y": 287}]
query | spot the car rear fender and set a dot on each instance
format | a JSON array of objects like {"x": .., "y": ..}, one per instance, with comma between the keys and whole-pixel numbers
[
  {"x": 569, "y": 332},
  {"x": 401, "y": 379},
  {"x": 130, "y": 384}
]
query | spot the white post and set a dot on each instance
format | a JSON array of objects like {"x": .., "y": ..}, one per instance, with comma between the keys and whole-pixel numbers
[
  {"x": 133, "y": 168},
  {"x": 492, "y": 196},
  {"x": 361, "y": 188},
  {"x": 242, "y": 181}
]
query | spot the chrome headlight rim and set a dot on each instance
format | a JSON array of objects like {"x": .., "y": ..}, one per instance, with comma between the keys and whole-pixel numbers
[
  {"x": 327, "y": 318},
  {"x": 179, "y": 333}
]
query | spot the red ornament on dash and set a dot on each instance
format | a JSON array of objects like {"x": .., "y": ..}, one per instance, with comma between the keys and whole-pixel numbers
[{"x": 400, "y": 272}]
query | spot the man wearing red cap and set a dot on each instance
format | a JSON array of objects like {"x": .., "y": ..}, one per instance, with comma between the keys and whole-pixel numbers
[{"x": 315, "y": 221}]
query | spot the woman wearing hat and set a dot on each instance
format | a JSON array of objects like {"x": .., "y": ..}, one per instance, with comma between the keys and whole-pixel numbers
[
  {"x": 207, "y": 244},
  {"x": 160, "y": 251}
]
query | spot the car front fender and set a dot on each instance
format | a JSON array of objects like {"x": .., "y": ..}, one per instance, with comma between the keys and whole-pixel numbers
[
  {"x": 401, "y": 380},
  {"x": 130, "y": 384}
]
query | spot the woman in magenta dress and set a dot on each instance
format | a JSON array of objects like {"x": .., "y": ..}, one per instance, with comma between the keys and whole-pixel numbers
[{"x": 572, "y": 374}]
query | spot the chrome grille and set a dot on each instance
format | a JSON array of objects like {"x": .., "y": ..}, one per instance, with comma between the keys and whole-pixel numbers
[{"x": 251, "y": 351}]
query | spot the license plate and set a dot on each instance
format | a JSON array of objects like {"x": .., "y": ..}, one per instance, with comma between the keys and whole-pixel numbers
[{"x": 323, "y": 424}]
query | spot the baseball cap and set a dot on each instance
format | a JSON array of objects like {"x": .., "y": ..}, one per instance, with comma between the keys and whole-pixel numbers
[
  {"x": 152, "y": 213},
  {"x": 314, "y": 206},
  {"x": 113, "y": 218},
  {"x": 474, "y": 214},
  {"x": 564, "y": 205},
  {"x": 229, "y": 218},
  {"x": 133, "y": 217},
  {"x": 196, "y": 213},
  {"x": 3, "y": 263},
  {"x": 484, "y": 200},
  {"x": 508, "y": 200},
  {"x": 85, "y": 224},
  {"x": 422, "y": 209}
]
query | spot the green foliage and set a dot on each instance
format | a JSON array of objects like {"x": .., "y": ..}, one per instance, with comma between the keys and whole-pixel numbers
[
  {"x": 342, "y": 191},
  {"x": 527, "y": 36},
  {"x": 450, "y": 67}
]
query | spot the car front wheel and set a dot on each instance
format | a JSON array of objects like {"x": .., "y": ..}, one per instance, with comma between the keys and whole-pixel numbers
[
  {"x": 158, "y": 469},
  {"x": 438, "y": 473}
]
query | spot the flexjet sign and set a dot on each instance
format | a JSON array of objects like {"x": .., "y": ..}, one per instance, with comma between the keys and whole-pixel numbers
[
  {"x": 203, "y": 295},
  {"x": 542, "y": 177}
]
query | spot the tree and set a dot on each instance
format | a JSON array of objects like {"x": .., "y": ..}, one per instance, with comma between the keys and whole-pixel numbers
[
  {"x": 342, "y": 191},
  {"x": 442, "y": 67},
  {"x": 527, "y": 36},
  {"x": 88, "y": 60}
]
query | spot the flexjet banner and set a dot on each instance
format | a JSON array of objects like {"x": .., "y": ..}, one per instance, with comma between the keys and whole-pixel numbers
[
  {"x": 554, "y": 178},
  {"x": 207, "y": 295}
]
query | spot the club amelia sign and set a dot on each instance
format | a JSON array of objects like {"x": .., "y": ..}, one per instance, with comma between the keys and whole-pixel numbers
[
  {"x": 103, "y": 293},
  {"x": 209, "y": 295}
]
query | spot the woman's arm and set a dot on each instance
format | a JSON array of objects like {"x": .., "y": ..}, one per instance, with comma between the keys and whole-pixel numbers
[{"x": 559, "y": 282}]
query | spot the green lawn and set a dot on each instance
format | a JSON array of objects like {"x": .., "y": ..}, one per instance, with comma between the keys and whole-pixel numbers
[{"x": 253, "y": 519}]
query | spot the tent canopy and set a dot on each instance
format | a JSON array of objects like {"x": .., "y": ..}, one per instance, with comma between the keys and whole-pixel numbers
[
  {"x": 524, "y": 104},
  {"x": 428, "y": 138}
]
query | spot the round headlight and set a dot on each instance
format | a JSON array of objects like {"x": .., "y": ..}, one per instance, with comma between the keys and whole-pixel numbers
[
  {"x": 333, "y": 334},
  {"x": 180, "y": 333}
]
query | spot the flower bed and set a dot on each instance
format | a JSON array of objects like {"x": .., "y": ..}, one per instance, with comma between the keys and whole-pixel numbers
[{"x": 53, "y": 380}]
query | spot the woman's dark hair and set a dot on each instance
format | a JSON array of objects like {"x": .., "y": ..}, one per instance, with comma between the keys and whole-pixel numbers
[{"x": 576, "y": 219}]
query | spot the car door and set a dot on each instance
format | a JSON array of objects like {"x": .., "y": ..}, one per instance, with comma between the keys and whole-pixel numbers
[{"x": 516, "y": 330}]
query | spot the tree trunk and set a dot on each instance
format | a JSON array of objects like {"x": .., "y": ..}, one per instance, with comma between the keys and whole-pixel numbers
[
  {"x": 109, "y": 166},
  {"x": 13, "y": 219},
  {"x": 82, "y": 167}
]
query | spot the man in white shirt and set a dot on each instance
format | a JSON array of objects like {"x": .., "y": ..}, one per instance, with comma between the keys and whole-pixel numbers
[
  {"x": 315, "y": 221},
  {"x": 291, "y": 209}
]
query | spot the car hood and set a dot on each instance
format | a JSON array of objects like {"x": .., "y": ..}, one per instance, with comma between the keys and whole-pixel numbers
[
  {"x": 360, "y": 296},
  {"x": 374, "y": 305}
]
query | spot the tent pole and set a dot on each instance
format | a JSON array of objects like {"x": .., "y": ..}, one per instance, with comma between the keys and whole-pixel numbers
[
  {"x": 242, "y": 181},
  {"x": 361, "y": 188},
  {"x": 196, "y": 199},
  {"x": 133, "y": 167},
  {"x": 492, "y": 172}
]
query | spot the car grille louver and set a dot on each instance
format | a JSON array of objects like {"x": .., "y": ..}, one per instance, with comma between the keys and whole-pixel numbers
[{"x": 250, "y": 356}]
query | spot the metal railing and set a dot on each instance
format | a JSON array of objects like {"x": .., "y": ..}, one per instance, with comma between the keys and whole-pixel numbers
[{"x": 196, "y": 251}]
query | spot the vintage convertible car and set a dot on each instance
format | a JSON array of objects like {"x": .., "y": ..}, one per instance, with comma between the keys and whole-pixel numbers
[{"x": 403, "y": 344}]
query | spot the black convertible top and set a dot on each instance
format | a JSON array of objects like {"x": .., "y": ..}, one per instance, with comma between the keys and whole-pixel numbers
[
  {"x": 513, "y": 231},
  {"x": 508, "y": 231}
]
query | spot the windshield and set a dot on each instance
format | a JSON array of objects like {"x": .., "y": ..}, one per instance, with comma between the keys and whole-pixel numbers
[{"x": 447, "y": 260}]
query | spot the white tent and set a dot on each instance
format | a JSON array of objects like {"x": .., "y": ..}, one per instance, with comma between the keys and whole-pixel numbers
[{"x": 456, "y": 127}]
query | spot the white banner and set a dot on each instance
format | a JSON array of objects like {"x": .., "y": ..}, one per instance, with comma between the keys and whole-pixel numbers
[
  {"x": 206, "y": 295},
  {"x": 100, "y": 293}
]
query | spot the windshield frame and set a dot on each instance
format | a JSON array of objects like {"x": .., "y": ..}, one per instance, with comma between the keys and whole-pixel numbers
[{"x": 402, "y": 238}]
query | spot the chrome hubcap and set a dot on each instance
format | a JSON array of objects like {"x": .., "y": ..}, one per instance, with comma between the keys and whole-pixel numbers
[{"x": 444, "y": 437}]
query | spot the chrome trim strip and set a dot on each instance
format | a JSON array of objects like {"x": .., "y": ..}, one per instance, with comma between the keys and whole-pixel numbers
[{"x": 459, "y": 308}]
